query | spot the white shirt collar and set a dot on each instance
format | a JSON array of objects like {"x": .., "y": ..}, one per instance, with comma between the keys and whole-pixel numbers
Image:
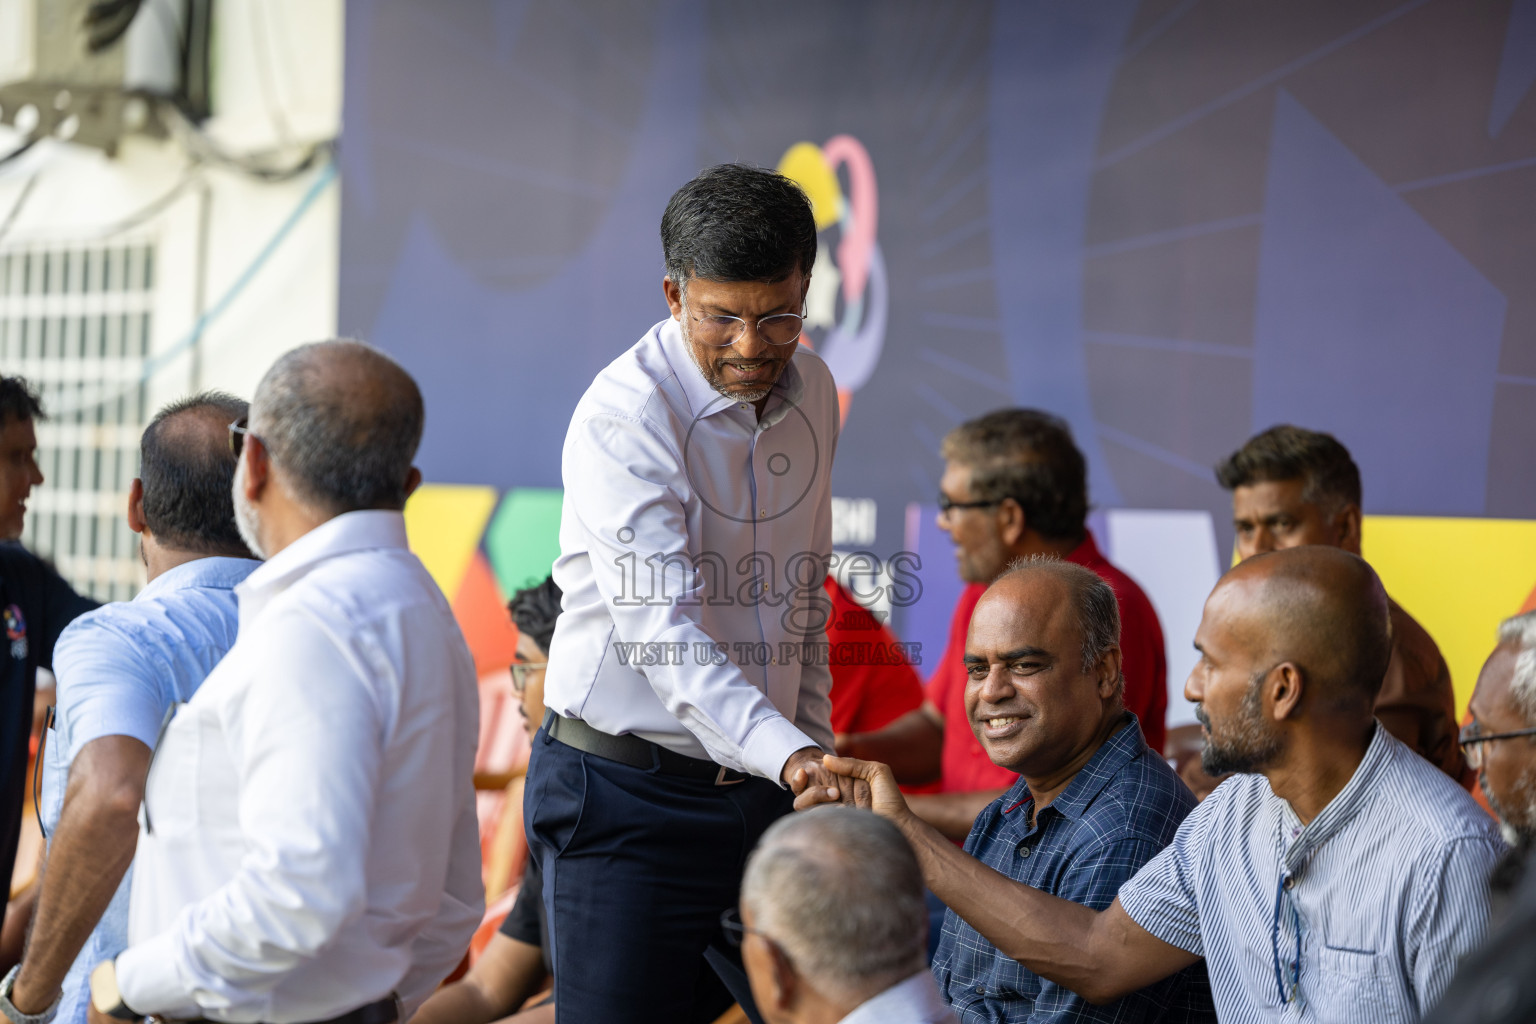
[
  {"x": 346, "y": 533},
  {"x": 913, "y": 1001}
]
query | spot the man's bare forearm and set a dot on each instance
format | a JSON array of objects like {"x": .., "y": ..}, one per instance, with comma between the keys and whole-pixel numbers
[
  {"x": 505, "y": 977},
  {"x": 1050, "y": 936},
  {"x": 912, "y": 745},
  {"x": 92, "y": 848},
  {"x": 952, "y": 814}
]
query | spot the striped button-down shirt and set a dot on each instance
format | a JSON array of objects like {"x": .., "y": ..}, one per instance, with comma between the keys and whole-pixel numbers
[
  {"x": 1358, "y": 916},
  {"x": 1116, "y": 814}
]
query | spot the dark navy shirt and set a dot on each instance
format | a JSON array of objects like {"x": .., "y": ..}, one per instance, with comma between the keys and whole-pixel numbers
[
  {"x": 35, "y": 606},
  {"x": 1117, "y": 813}
]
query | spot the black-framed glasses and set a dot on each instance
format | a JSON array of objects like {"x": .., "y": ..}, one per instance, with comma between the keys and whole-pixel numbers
[
  {"x": 735, "y": 928},
  {"x": 1472, "y": 742},
  {"x": 946, "y": 503},
  {"x": 723, "y": 331},
  {"x": 521, "y": 670},
  {"x": 237, "y": 434}
]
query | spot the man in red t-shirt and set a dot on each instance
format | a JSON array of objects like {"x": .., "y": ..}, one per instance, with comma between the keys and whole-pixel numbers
[
  {"x": 1014, "y": 485},
  {"x": 873, "y": 683}
]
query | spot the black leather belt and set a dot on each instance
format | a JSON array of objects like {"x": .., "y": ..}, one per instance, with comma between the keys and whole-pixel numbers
[
  {"x": 385, "y": 1011},
  {"x": 636, "y": 752}
]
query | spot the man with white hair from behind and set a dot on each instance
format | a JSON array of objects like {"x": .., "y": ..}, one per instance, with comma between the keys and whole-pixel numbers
[{"x": 833, "y": 926}]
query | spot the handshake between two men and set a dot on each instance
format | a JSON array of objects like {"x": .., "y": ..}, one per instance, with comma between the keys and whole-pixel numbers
[
  {"x": 1044, "y": 695},
  {"x": 1096, "y": 880}
]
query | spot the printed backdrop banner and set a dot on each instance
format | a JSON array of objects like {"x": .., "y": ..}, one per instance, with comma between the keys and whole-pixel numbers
[{"x": 1172, "y": 223}]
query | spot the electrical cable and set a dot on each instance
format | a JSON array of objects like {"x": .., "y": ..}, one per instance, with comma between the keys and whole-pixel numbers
[
  {"x": 160, "y": 360},
  {"x": 21, "y": 201},
  {"x": 19, "y": 150}
]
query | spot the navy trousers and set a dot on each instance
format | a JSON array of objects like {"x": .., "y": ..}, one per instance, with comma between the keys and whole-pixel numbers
[{"x": 638, "y": 867}]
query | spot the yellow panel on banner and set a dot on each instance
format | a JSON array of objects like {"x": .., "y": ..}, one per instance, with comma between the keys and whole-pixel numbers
[
  {"x": 1458, "y": 577},
  {"x": 444, "y": 523}
]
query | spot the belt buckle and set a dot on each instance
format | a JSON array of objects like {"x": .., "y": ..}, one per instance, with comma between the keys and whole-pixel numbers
[{"x": 721, "y": 780}]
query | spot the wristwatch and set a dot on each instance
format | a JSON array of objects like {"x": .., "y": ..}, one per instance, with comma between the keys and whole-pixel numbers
[
  {"x": 104, "y": 994},
  {"x": 16, "y": 1016}
]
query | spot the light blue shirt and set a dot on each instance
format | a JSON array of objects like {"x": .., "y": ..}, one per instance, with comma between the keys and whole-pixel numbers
[
  {"x": 1357, "y": 917},
  {"x": 120, "y": 668}
]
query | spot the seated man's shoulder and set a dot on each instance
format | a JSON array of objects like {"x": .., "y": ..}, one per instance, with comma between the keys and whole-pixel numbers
[
  {"x": 1147, "y": 797},
  {"x": 1426, "y": 805}
]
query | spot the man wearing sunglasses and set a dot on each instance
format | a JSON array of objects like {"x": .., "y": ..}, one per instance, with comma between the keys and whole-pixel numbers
[
  {"x": 695, "y": 535},
  {"x": 121, "y": 668}
]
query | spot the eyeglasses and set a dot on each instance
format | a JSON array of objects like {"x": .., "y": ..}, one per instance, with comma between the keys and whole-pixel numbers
[
  {"x": 723, "y": 331},
  {"x": 946, "y": 503},
  {"x": 735, "y": 928},
  {"x": 1472, "y": 742},
  {"x": 521, "y": 670},
  {"x": 237, "y": 434}
]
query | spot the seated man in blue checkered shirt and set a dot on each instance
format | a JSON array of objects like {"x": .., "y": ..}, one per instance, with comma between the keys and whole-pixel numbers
[{"x": 1093, "y": 803}]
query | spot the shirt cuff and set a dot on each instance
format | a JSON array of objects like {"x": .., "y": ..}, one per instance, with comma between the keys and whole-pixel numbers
[
  {"x": 770, "y": 745},
  {"x": 148, "y": 982}
]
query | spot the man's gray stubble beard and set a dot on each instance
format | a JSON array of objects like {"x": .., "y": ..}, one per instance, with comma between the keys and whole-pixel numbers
[{"x": 247, "y": 519}]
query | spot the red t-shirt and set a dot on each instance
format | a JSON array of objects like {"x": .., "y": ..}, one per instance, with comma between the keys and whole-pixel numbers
[
  {"x": 966, "y": 767},
  {"x": 872, "y": 682}
]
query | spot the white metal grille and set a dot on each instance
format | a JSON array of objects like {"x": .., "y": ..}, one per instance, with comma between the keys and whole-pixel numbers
[{"x": 75, "y": 320}]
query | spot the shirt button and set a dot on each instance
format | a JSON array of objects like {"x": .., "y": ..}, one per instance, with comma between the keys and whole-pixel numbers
[
  {"x": 762, "y": 513},
  {"x": 1290, "y": 882},
  {"x": 981, "y": 990},
  {"x": 742, "y": 406},
  {"x": 1023, "y": 850}
]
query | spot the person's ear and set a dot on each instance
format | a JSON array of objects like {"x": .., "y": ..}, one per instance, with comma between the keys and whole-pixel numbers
[
  {"x": 1011, "y": 522},
  {"x": 1109, "y": 672},
  {"x": 1346, "y": 527},
  {"x": 258, "y": 468},
  {"x": 1286, "y": 688},
  {"x": 412, "y": 481},
  {"x": 674, "y": 296},
  {"x": 136, "y": 505},
  {"x": 786, "y": 983}
]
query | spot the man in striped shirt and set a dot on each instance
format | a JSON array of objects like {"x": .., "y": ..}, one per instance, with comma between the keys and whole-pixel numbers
[{"x": 1339, "y": 879}]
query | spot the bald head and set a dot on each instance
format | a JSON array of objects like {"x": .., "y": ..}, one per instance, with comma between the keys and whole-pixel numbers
[
  {"x": 1320, "y": 607},
  {"x": 341, "y": 421}
]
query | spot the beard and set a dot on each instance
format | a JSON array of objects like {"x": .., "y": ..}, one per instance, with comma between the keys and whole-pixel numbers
[
  {"x": 1517, "y": 823},
  {"x": 713, "y": 377},
  {"x": 247, "y": 519},
  {"x": 1249, "y": 746}
]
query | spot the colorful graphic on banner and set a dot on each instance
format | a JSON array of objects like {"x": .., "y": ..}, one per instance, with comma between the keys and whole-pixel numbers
[{"x": 848, "y": 301}]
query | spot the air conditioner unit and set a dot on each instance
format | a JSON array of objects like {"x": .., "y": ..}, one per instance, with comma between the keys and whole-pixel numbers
[{"x": 91, "y": 71}]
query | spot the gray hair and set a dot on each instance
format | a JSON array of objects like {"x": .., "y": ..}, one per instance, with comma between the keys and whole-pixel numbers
[
  {"x": 1521, "y": 631},
  {"x": 342, "y": 421},
  {"x": 1094, "y": 601},
  {"x": 840, "y": 891}
]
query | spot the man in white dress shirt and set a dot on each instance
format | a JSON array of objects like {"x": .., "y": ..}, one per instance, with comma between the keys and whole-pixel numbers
[
  {"x": 687, "y": 683},
  {"x": 308, "y": 849},
  {"x": 833, "y": 924}
]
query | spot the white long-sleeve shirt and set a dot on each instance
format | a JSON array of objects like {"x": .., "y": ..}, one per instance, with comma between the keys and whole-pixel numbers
[
  {"x": 308, "y": 840},
  {"x": 694, "y": 540}
]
